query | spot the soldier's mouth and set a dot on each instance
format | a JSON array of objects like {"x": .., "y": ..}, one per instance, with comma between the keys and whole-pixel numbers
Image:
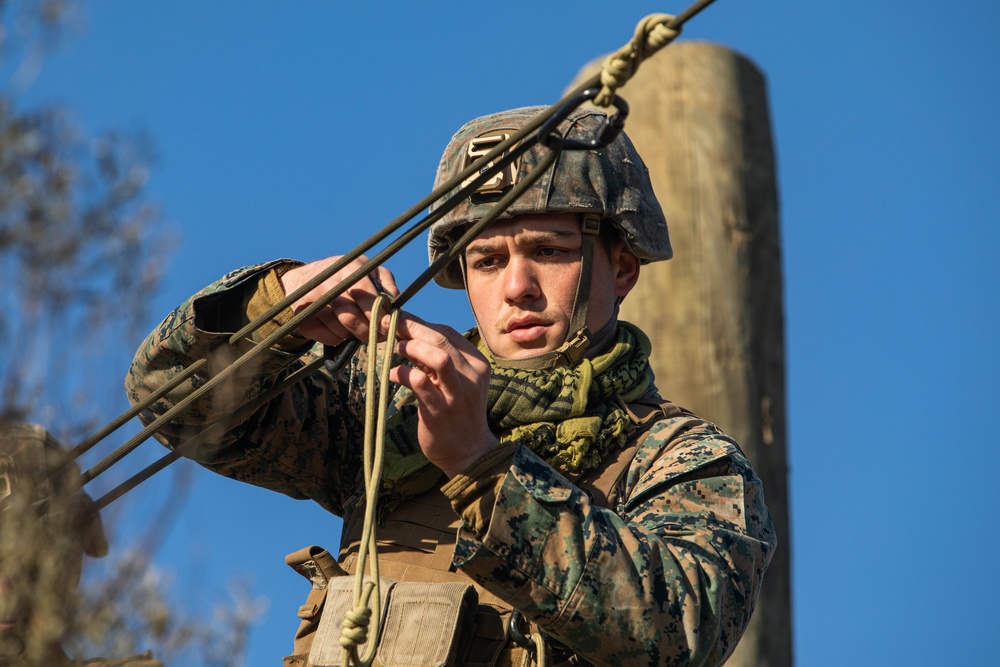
[{"x": 525, "y": 329}]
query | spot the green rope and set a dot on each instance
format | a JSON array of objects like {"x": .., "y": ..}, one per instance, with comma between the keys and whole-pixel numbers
[
  {"x": 356, "y": 621},
  {"x": 651, "y": 34}
]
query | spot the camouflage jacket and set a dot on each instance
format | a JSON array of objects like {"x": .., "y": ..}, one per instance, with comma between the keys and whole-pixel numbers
[{"x": 669, "y": 576}]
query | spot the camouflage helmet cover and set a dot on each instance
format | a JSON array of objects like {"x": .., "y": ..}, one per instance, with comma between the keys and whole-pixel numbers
[
  {"x": 28, "y": 455},
  {"x": 612, "y": 181}
]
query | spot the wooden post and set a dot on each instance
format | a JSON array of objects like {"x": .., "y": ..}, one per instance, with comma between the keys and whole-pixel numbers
[{"x": 700, "y": 120}]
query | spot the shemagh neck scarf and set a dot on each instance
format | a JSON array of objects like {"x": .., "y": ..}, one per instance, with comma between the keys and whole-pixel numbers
[{"x": 570, "y": 416}]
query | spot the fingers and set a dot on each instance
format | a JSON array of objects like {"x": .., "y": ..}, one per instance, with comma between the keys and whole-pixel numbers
[
  {"x": 348, "y": 314},
  {"x": 443, "y": 382},
  {"x": 384, "y": 276},
  {"x": 325, "y": 327},
  {"x": 450, "y": 379},
  {"x": 412, "y": 327},
  {"x": 446, "y": 361}
]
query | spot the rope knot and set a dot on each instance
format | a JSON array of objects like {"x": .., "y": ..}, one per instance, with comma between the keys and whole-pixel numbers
[
  {"x": 354, "y": 630},
  {"x": 651, "y": 34}
]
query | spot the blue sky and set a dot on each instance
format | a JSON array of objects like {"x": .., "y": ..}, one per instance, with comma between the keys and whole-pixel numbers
[{"x": 295, "y": 129}]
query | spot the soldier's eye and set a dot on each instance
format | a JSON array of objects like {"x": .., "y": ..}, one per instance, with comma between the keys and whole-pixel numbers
[{"x": 486, "y": 263}]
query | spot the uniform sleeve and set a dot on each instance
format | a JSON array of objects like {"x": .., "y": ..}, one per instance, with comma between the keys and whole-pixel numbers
[
  {"x": 672, "y": 580},
  {"x": 304, "y": 443}
]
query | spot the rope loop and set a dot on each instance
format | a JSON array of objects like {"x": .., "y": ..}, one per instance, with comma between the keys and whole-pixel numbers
[
  {"x": 367, "y": 594},
  {"x": 651, "y": 34}
]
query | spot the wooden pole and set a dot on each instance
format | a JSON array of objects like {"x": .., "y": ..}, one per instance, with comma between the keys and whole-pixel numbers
[{"x": 700, "y": 120}]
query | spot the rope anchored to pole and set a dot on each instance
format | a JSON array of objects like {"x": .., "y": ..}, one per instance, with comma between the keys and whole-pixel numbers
[{"x": 652, "y": 34}]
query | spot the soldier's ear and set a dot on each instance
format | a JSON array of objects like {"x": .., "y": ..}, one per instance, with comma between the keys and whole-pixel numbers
[{"x": 624, "y": 267}]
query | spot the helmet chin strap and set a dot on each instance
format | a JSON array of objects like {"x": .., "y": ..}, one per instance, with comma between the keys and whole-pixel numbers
[{"x": 579, "y": 339}]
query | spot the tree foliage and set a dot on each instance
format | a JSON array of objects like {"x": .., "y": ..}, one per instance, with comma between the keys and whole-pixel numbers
[
  {"x": 81, "y": 250},
  {"x": 80, "y": 245},
  {"x": 79, "y": 253}
]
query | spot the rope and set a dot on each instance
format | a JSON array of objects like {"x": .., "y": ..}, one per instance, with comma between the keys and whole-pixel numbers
[
  {"x": 356, "y": 621},
  {"x": 651, "y": 35},
  {"x": 216, "y": 429},
  {"x": 541, "y": 653},
  {"x": 355, "y": 627}
]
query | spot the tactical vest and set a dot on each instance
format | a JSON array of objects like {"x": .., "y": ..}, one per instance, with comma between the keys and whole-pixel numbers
[{"x": 433, "y": 615}]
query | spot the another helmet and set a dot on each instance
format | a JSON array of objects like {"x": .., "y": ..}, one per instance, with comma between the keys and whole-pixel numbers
[
  {"x": 611, "y": 181},
  {"x": 31, "y": 471}
]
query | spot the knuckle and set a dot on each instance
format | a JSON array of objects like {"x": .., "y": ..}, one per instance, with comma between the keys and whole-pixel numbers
[
  {"x": 421, "y": 381},
  {"x": 351, "y": 320},
  {"x": 438, "y": 359}
]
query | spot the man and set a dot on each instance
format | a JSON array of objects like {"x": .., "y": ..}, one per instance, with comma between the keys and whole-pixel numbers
[
  {"x": 533, "y": 456},
  {"x": 46, "y": 527}
]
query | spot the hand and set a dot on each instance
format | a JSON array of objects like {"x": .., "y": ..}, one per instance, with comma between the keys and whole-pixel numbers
[
  {"x": 451, "y": 380},
  {"x": 346, "y": 316}
]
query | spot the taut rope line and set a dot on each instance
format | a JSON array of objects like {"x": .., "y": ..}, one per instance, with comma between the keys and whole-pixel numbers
[{"x": 652, "y": 34}]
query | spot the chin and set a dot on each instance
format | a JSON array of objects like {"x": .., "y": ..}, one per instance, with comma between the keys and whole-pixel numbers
[{"x": 525, "y": 352}]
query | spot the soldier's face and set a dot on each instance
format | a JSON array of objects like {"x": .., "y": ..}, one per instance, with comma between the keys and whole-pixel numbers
[{"x": 522, "y": 277}]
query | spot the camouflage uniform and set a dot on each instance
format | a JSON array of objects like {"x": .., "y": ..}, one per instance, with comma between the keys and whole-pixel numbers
[
  {"x": 660, "y": 567},
  {"x": 667, "y": 576}
]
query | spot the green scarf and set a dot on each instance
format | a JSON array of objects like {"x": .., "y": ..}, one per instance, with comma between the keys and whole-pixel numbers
[
  {"x": 571, "y": 417},
  {"x": 568, "y": 416}
]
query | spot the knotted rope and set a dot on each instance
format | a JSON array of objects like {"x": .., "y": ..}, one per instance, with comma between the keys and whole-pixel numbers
[
  {"x": 651, "y": 34},
  {"x": 356, "y": 621},
  {"x": 355, "y": 626}
]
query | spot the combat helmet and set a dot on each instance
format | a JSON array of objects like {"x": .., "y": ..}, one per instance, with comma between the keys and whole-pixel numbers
[
  {"x": 607, "y": 186},
  {"x": 34, "y": 473}
]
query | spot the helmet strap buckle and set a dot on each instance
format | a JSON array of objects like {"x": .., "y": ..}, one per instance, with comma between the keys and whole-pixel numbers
[{"x": 574, "y": 349}]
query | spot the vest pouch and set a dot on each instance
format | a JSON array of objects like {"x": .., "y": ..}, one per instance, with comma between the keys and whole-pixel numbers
[
  {"x": 425, "y": 624},
  {"x": 326, "y": 649},
  {"x": 318, "y": 566},
  {"x": 422, "y": 623}
]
